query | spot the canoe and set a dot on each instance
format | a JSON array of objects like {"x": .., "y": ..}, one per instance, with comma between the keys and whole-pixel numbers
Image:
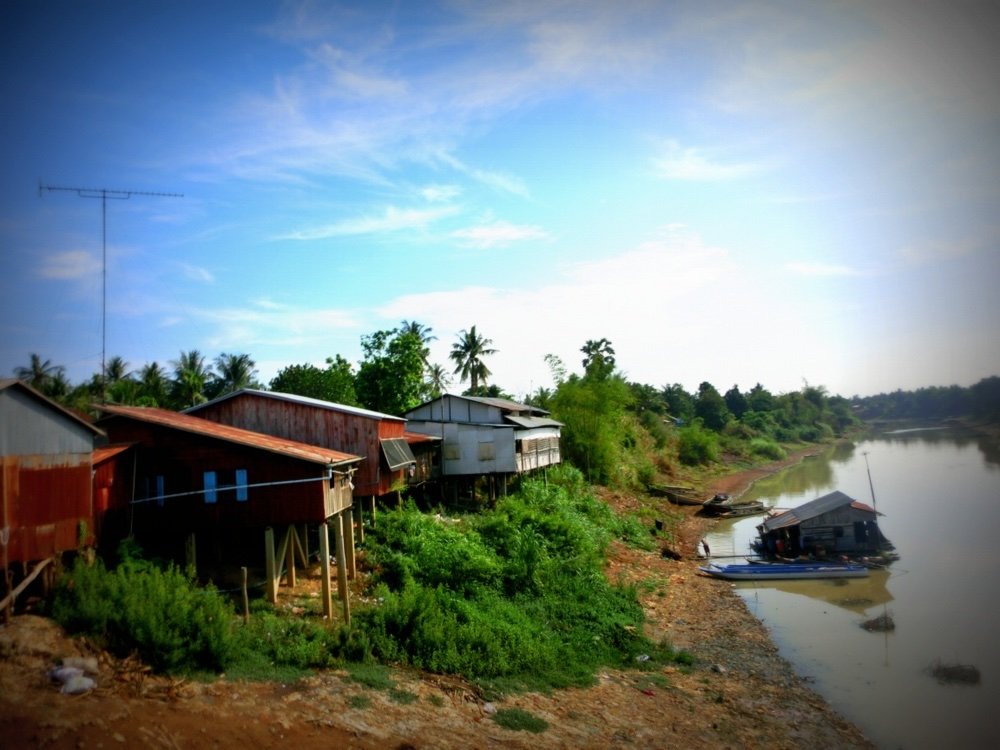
[
  {"x": 726, "y": 507},
  {"x": 783, "y": 571}
]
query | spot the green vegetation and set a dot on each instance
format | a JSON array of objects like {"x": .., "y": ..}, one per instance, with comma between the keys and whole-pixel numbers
[
  {"x": 517, "y": 719},
  {"x": 979, "y": 401}
]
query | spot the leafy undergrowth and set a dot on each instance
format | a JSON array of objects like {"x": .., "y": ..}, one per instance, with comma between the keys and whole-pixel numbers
[{"x": 512, "y": 598}]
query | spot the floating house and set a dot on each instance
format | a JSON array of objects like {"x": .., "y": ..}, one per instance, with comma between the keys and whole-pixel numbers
[
  {"x": 487, "y": 436},
  {"x": 831, "y": 525},
  {"x": 210, "y": 487}
]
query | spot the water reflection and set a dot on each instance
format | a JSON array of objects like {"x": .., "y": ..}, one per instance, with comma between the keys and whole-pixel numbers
[{"x": 857, "y": 595}]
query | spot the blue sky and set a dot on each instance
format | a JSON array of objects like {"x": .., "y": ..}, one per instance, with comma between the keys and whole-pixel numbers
[{"x": 773, "y": 192}]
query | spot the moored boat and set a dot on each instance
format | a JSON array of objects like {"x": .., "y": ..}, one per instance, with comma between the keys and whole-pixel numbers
[
  {"x": 783, "y": 571},
  {"x": 725, "y": 506}
]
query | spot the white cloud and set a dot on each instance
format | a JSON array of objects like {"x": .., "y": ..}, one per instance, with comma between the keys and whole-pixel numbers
[
  {"x": 197, "y": 273},
  {"x": 497, "y": 234},
  {"x": 69, "y": 265},
  {"x": 820, "y": 269},
  {"x": 440, "y": 193},
  {"x": 680, "y": 163},
  {"x": 392, "y": 219}
]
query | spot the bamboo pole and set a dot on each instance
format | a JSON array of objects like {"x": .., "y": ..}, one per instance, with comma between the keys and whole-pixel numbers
[
  {"x": 342, "y": 590},
  {"x": 324, "y": 565},
  {"x": 347, "y": 525},
  {"x": 290, "y": 539},
  {"x": 9, "y": 599}
]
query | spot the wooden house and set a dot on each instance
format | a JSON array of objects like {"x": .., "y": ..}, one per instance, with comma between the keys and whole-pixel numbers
[
  {"x": 487, "y": 436},
  {"x": 834, "y": 524},
  {"x": 381, "y": 439},
  {"x": 197, "y": 479},
  {"x": 46, "y": 459}
]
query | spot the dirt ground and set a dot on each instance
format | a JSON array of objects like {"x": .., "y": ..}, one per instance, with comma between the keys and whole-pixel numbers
[{"x": 739, "y": 694}]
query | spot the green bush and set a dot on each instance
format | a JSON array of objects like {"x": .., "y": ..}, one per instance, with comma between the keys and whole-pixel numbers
[
  {"x": 769, "y": 449},
  {"x": 162, "y": 614},
  {"x": 696, "y": 445}
]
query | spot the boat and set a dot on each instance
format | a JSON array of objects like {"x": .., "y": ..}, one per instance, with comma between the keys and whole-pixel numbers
[
  {"x": 676, "y": 495},
  {"x": 783, "y": 571},
  {"x": 724, "y": 506}
]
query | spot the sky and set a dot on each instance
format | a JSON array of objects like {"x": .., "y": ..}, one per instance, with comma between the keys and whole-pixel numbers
[{"x": 784, "y": 193}]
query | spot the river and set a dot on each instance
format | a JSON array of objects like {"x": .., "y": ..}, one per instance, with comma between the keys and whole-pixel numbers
[{"x": 938, "y": 490}]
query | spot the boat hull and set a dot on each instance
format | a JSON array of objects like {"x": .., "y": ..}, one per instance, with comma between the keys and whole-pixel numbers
[{"x": 777, "y": 571}]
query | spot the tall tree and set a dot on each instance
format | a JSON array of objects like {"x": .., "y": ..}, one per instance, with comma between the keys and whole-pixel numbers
[
  {"x": 437, "y": 380},
  {"x": 234, "y": 372},
  {"x": 153, "y": 385},
  {"x": 191, "y": 375},
  {"x": 115, "y": 369},
  {"x": 711, "y": 407},
  {"x": 468, "y": 355},
  {"x": 599, "y": 358},
  {"x": 390, "y": 378},
  {"x": 334, "y": 384},
  {"x": 422, "y": 332},
  {"x": 39, "y": 373}
]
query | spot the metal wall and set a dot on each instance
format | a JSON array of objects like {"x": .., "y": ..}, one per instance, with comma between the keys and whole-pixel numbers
[{"x": 357, "y": 434}]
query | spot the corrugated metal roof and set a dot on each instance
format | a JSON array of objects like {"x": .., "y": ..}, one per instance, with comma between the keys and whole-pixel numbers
[
  {"x": 812, "y": 509},
  {"x": 416, "y": 438},
  {"x": 293, "y": 398},
  {"x": 397, "y": 453},
  {"x": 532, "y": 422},
  {"x": 503, "y": 404},
  {"x": 109, "y": 451},
  {"x": 6, "y": 383},
  {"x": 199, "y": 426}
]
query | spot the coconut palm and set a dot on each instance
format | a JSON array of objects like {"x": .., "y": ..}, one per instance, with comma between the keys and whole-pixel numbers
[
  {"x": 422, "y": 332},
  {"x": 437, "y": 380},
  {"x": 468, "y": 356},
  {"x": 115, "y": 369},
  {"x": 234, "y": 372},
  {"x": 190, "y": 378},
  {"x": 599, "y": 358},
  {"x": 154, "y": 386},
  {"x": 39, "y": 373}
]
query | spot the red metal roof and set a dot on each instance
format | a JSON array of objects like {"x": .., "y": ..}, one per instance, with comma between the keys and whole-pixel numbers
[
  {"x": 413, "y": 438},
  {"x": 199, "y": 426},
  {"x": 109, "y": 451}
]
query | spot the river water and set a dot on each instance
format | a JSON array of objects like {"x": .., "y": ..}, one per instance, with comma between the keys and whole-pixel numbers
[{"x": 939, "y": 493}]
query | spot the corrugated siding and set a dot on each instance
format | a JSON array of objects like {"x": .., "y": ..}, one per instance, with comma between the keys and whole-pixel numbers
[
  {"x": 29, "y": 426},
  {"x": 342, "y": 431}
]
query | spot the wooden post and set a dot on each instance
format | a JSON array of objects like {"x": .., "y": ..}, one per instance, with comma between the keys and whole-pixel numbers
[
  {"x": 246, "y": 598},
  {"x": 290, "y": 540},
  {"x": 347, "y": 522},
  {"x": 373, "y": 511},
  {"x": 324, "y": 566},
  {"x": 303, "y": 545},
  {"x": 269, "y": 566},
  {"x": 359, "y": 519},
  {"x": 191, "y": 552},
  {"x": 342, "y": 590}
]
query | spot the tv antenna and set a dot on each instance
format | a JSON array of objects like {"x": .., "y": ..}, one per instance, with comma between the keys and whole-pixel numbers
[{"x": 104, "y": 194}]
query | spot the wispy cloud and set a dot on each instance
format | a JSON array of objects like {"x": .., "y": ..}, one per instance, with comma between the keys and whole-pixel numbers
[
  {"x": 680, "y": 163},
  {"x": 392, "y": 219},
  {"x": 197, "y": 273},
  {"x": 440, "y": 193},
  {"x": 820, "y": 269},
  {"x": 497, "y": 234},
  {"x": 69, "y": 265}
]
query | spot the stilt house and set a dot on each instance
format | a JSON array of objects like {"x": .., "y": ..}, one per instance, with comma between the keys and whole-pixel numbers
[{"x": 833, "y": 524}]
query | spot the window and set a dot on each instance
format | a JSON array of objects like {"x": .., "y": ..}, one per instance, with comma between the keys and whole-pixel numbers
[
  {"x": 211, "y": 494},
  {"x": 241, "y": 485}
]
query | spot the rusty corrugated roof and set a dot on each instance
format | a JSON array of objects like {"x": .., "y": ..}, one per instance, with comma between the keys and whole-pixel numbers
[
  {"x": 296, "y": 399},
  {"x": 199, "y": 426},
  {"x": 109, "y": 451},
  {"x": 814, "y": 508}
]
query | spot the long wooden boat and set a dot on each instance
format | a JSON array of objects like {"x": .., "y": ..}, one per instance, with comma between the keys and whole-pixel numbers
[
  {"x": 676, "y": 495},
  {"x": 783, "y": 571},
  {"x": 725, "y": 506}
]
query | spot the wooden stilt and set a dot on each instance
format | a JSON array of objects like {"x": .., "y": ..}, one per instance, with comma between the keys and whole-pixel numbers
[
  {"x": 359, "y": 520},
  {"x": 269, "y": 566},
  {"x": 302, "y": 544},
  {"x": 347, "y": 521},
  {"x": 246, "y": 598},
  {"x": 290, "y": 540},
  {"x": 342, "y": 590},
  {"x": 191, "y": 553},
  {"x": 324, "y": 567},
  {"x": 373, "y": 511}
]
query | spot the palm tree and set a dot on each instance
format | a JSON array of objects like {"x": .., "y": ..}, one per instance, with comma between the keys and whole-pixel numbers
[
  {"x": 234, "y": 372},
  {"x": 115, "y": 369},
  {"x": 153, "y": 384},
  {"x": 190, "y": 377},
  {"x": 39, "y": 374},
  {"x": 437, "y": 380},
  {"x": 468, "y": 355},
  {"x": 422, "y": 332},
  {"x": 599, "y": 357}
]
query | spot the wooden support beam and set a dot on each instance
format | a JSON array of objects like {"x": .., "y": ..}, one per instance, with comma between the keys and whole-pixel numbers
[
  {"x": 9, "y": 599},
  {"x": 269, "y": 566},
  {"x": 359, "y": 520},
  {"x": 373, "y": 511},
  {"x": 290, "y": 539},
  {"x": 346, "y": 519},
  {"x": 191, "y": 552},
  {"x": 302, "y": 545},
  {"x": 324, "y": 566},
  {"x": 342, "y": 590}
]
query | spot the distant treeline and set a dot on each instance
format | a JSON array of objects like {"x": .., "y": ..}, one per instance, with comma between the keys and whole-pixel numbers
[{"x": 979, "y": 401}]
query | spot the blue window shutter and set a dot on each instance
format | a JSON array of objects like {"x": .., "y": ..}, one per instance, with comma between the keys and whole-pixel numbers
[
  {"x": 241, "y": 485},
  {"x": 211, "y": 495}
]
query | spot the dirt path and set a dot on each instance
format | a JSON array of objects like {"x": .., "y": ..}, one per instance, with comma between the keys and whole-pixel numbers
[{"x": 740, "y": 693}]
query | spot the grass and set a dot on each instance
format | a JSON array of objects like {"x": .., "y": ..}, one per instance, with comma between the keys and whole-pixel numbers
[{"x": 518, "y": 720}]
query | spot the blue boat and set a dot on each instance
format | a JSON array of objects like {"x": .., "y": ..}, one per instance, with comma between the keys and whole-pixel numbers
[{"x": 783, "y": 571}]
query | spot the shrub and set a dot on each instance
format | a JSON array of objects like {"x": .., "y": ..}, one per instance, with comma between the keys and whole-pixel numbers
[
  {"x": 697, "y": 445},
  {"x": 767, "y": 449},
  {"x": 162, "y": 614}
]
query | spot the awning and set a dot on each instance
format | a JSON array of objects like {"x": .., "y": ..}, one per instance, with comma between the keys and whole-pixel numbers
[{"x": 397, "y": 453}]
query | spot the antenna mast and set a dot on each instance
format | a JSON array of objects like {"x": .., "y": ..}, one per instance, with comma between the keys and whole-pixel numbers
[
  {"x": 104, "y": 194},
  {"x": 878, "y": 538}
]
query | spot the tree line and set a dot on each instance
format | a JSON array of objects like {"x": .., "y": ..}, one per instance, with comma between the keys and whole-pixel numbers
[{"x": 981, "y": 400}]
